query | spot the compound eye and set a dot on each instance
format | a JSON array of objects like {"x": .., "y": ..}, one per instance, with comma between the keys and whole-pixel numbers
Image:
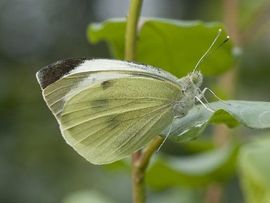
[{"x": 183, "y": 91}]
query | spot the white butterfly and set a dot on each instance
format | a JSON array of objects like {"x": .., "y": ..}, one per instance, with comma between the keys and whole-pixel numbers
[{"x": 107, "y": 109}]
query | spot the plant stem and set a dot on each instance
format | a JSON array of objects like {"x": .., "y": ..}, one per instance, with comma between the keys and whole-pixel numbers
[
  {"x": 149, "y": 151},
  {"x": 131, "y": 29},
  {"x": 228, "y": 81},
  {"x": 214, "y": 192},
  {"x": 140, "y": 159},
  {"x": 138, "y": 187},
  {"x": 140, "y": 162}
]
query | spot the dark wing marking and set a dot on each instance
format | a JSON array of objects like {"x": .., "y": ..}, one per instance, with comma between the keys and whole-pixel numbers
[{"x": 55, "y": 71}]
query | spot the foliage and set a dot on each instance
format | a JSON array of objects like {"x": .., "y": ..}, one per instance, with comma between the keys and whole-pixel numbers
[
  {"x": 170, "y": 44},
  {"x": 232, "y": 113},
  {"x": 173, "y": 45},
  {"x": 254, "y": 168},
  {"x": 193, "y": 170}
]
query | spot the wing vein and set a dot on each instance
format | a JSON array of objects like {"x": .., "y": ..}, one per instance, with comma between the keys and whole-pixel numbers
[
  {"x": 109, "y": 114},
  {"x": 135, "y": 134},
  {"x": 122, "y": 121}
]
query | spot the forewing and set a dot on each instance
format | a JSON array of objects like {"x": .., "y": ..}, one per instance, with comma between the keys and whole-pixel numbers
[
  {"x": 63, "y": 79},
  {"x": 111, "y": 119}
]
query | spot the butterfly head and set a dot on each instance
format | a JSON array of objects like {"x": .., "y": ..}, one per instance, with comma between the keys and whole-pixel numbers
[
  {"x": 196, "y": 78},
  {"x": 190, "y": 85},
  {"x": 191, "y": 82}
]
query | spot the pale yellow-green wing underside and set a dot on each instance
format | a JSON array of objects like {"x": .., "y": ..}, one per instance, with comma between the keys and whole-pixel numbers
[
  {"x": 108, "y": 109},
  {"x": 110, "y": 120}
]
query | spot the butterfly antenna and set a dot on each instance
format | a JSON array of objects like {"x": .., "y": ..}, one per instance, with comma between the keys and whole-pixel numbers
[
  {"x": 225, "y": 40},
  {"x": 209, "y": 49}
]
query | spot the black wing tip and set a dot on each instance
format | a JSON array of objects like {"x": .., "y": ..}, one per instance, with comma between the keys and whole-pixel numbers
[{"x": 55, "y": 71}]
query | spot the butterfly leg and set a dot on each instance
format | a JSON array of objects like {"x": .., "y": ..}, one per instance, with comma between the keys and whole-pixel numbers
[
  {"x": 166, "y": 136},
  {"x": 202, "y": 95},
  {"x": 206, "y": 107},
  {"x": 207, "y": 89}
]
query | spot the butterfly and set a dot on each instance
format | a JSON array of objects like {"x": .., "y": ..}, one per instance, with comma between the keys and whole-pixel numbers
[{"x": 107, "y": 109}]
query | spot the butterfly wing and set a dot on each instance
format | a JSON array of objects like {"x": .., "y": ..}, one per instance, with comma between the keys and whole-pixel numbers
[
  {"x": 65, "y": 78},
  {"x": 107, "y": 115},
  {"x": 104, "y": 125}
]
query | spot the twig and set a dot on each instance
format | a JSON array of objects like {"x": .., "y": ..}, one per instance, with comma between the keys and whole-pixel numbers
[
  {"x": 131, "y": 29},
  {"x": 140, "y": 162},
  {"x": 214, "y": 192},
  {"x": 140, "y": 159}
]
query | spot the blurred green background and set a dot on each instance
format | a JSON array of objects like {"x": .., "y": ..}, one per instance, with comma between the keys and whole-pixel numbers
[{"x": 35, "y": 163}]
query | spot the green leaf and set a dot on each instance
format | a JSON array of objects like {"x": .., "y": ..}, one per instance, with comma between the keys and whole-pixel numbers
[
  {"x": 86, "y": 196},
  {"x": 175, "y": 46},
  {"x": 113, "y": 32},
  {"x": 194, "y": 170},
  {"x": 232, "y": 113},
  {"x": 254, "y": 167}
]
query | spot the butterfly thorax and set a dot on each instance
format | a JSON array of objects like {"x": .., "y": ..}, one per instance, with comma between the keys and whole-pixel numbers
[{"x": 190, "y": 85}]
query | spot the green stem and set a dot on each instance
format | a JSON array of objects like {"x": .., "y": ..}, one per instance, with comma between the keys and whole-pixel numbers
[
  {"x": 130, "y": 47},
  {"x": 131, "y": 29},
  {"x": 214, "y": 192},
  {"x": 148, "y": 152},
  {"x": 140, "y": 161}
]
